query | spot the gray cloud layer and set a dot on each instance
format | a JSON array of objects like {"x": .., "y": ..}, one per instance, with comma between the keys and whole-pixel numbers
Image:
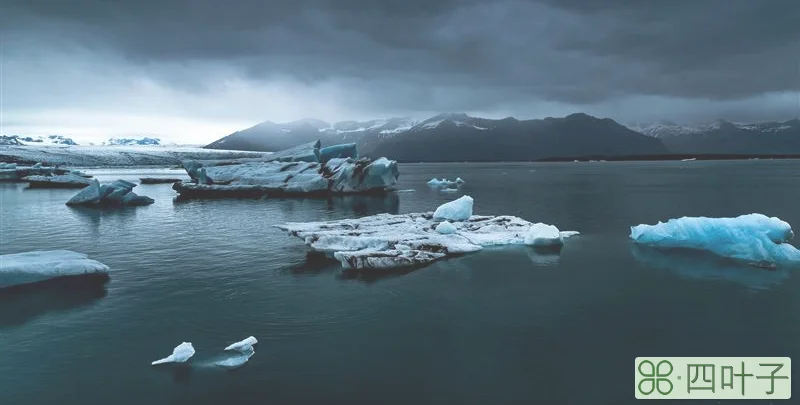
[{"x": 636, "y": 59}]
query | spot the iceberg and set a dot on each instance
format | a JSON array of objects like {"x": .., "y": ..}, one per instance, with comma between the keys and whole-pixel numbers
[
  {"x": 244, "y": 345},
  {"x": 180, "y": 354},
  {"x": 543, "y": 235},
  {"x": 387, "y": 241},
  {"x": 754, "y": 238},
  {"x": 456, "y": 210},
  {"x": 295, "y": 173},
  {"x": 445, "y": 184},
  {"x": 36, "y": 266},
  {"x": 116, "y": 193},
  {"x": 69, "y": 180}
]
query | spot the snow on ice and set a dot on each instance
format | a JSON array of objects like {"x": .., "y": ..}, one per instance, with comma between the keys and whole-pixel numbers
[
  {"x": 408, "y": 240},
  {"x": 36, "y": 266}
]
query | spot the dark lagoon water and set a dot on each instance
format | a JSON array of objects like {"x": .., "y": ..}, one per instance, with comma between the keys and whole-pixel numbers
[{"x": 501, "y": 326}]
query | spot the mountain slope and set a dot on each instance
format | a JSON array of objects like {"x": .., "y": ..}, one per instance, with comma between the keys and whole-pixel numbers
[
  {"x": 723, "y": 137},
  {"x": 463, "y": 138},
  {"x": 456, "y": 137},
  {"x": 270, "y": 136}
]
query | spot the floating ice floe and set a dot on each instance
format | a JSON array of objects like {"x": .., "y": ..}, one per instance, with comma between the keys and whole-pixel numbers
[
  {"x": 303, "y": 170},
  {"x": 32, "y": 267},
  {"x": 70, "y": 180},
  {"x": 180, "y": 354},
  {"x": 158, "y": 180},
  {"x": 116, "y": 193},
  {"x": 14, "y": 172},
  {"x": 408, "y": 240},
  {"x": 244, "y": 345},
  {"x": 445, "y": 184},
  {"x": 754, "y": 238}
]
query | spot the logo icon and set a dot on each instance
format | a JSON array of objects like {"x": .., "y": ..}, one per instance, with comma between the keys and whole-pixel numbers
[{"x": 656, "y": 377}]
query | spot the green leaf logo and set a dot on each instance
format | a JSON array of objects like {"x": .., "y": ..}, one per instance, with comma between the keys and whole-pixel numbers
[{"x": 655, "y": 376}]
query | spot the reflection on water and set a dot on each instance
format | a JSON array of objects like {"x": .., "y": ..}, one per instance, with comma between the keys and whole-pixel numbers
[
  {"x": 361, "y": 205},
  {"x": 95, "y": 216},
  {"x": 370, "y": 276},
  {"x": 20, "y": 304},
  {"x": 706, "y": 266},
  {"x": 181, "y": 372},
  {"x": 544, "y": 256},
  {"x": 366, "y": 204}
]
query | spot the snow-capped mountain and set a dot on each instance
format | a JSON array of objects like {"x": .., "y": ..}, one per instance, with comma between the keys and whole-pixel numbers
[
  {"x": 36, "y": 140},
  {"x": 271, "y": 136},
  {"x": 146, "y": 141},
  {"x": 454, "y": 137},
  {"x": 724, "y": 137},
  {"x": 661, "y": 129}
]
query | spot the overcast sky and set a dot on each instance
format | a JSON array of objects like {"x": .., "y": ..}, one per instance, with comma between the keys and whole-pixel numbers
[{"x": 195, "y": 70}]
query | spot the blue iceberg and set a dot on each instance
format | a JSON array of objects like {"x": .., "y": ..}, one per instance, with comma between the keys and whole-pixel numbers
[{"x": 754, "y": 238}]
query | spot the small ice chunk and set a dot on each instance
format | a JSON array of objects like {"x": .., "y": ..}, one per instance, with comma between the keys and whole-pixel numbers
[
  {"x": 180, "y": 354},
  {"x": 445, "y": 183},
  {"x": 449, "y": 190},
  {"x": 456, "y": 210},
  {"x": 446, "y": 228},
  {"x": 541, "y": 234},
  {"x": 244, "y": 345}
]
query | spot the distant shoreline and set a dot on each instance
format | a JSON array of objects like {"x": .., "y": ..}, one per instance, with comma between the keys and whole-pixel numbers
[{"x": 628, "y": 158}]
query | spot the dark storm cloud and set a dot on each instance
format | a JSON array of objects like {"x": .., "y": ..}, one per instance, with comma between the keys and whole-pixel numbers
[{"x": 444, "y": 55}]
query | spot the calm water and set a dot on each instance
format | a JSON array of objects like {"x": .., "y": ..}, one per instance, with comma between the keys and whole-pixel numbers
[{"x": 502, "y": 326}]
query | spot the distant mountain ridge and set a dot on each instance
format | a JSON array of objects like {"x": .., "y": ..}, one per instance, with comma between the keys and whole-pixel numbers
[
  {"x": 146, "y": 141},
  {"x": 725, "y": 137},
  {"x": 455, "y": 137},
  {"x": 36, "y": 140}
]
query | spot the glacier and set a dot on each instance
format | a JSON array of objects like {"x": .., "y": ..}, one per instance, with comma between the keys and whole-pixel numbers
[
  {"x": 753, "y": 238},
  {"x": 32, "y": 267},
  {"x": 116, "y": 156},
  {"x": 302, "y": 170},
  {"x": 116, "y": 193},
  {"x": 386, "y": 241},
  {"x": 180, "y": 354}
]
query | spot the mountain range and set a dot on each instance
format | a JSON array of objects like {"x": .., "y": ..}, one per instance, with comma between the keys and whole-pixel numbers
[
  {"x": 460, "y": 137},
  {"x": 456, "y": 137},
  {"x": 724, "y": 137}
]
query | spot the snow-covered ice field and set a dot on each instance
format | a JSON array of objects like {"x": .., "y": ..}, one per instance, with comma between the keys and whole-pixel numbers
[{"x": 114, "y": 156}]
